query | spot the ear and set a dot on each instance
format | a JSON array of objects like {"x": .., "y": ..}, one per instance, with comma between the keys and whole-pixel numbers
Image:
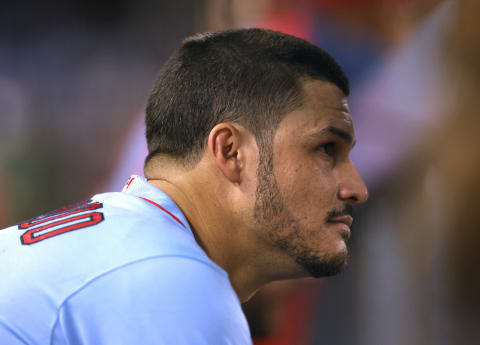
[{"x": 223, "y": 144}]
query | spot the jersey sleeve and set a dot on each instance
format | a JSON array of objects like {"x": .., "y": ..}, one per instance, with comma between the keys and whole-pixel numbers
[{"x": 162, "y": 300}]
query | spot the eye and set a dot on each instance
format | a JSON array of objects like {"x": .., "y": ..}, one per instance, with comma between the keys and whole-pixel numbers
[{"x": 327, "y": 148}]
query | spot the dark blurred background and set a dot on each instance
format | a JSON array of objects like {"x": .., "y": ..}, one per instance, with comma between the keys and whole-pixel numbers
[{"x": 74, "y": 78}]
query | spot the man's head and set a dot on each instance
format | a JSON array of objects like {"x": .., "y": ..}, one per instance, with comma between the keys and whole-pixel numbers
[{"x": 227, "y": 94}]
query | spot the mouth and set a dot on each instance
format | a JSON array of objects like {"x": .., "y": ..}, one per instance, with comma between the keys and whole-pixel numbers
[
  {"x": 346, "y": 219},
  {"x": 343, "y": 224}
]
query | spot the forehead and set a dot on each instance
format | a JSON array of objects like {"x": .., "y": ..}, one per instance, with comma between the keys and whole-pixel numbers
[{"x": 324, "y": 105}]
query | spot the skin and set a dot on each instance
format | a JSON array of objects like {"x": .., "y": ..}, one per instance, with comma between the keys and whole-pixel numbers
[{"x": 276, "y": 213}]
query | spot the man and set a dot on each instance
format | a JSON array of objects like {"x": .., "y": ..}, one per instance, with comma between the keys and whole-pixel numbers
[{"x": 248, "y": 180}]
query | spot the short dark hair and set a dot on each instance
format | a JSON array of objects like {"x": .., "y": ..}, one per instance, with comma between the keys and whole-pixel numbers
[{"x": 249, "y": 76}]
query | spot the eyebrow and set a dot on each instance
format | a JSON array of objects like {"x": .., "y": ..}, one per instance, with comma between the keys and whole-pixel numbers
[{"x": 340, "y": 133}]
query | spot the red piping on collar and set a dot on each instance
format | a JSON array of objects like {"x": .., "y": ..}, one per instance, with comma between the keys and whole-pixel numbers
[
  {"x": 129, "y": 182},
  {"x": 164, "y": 210}
]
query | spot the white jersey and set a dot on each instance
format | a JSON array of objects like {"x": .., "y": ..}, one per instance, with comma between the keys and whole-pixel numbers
[{"x": 121, "y": 268}]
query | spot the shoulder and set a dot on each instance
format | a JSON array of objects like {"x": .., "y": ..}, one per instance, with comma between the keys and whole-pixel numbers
[
  {"x": 173, "y": 279},
  {"x": 168, "y": 299},
  {"x": 68, "y": 252}
]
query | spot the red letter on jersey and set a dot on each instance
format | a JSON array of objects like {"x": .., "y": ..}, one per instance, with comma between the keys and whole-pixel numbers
[{"x": 61, "y": 221}]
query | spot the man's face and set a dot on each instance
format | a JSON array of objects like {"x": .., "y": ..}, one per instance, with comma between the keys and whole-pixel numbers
[{"x": 307, "y": 183}]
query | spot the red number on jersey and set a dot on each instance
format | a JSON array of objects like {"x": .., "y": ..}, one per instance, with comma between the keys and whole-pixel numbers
[{"x": 61, "y": 221}]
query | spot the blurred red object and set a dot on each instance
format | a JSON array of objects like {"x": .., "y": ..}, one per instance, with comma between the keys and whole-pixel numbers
[{"x": 295, "y": 319}]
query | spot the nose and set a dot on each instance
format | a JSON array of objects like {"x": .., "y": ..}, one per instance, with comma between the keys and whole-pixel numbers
[{"x": 352, "y": 188}]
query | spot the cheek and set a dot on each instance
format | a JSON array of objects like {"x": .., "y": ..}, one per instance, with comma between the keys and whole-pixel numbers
[{"x": 308, "y": 188}]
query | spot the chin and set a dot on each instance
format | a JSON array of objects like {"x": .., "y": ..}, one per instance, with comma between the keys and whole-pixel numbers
[{"x": 323, "y": 266}]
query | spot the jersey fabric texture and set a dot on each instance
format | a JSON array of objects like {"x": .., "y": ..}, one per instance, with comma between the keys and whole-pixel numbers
[{"x": 124, "y": 269}]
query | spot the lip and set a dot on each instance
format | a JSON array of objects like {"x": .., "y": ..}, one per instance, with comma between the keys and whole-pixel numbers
[{"x": 347, "y": 220}]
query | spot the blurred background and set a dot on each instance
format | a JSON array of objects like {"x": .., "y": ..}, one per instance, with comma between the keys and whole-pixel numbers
[{"x": 75, "y": 76}]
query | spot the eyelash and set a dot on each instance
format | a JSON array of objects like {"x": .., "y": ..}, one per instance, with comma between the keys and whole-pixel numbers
[{"x": 328, "y": 148}]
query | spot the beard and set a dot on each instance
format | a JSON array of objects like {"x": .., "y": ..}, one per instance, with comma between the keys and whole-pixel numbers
[{"x": 283, "y": 230}]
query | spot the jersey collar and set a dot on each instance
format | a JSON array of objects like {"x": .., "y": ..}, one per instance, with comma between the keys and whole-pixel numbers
[{"x": 140, "y": 187}]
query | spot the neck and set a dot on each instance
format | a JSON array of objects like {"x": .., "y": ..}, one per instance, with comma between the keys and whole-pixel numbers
[{"x": 227, "y": 242}]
